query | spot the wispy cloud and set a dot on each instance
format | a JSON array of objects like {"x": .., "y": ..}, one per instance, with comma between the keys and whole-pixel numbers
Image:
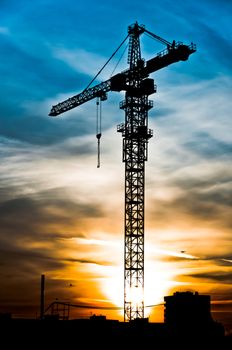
[
  {"x": 81, "y": 60},
  {"x": 191, "y": 155}
]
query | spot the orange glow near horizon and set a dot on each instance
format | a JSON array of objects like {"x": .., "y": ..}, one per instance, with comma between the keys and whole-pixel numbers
[
  {"x": 158, "y": 279},
  {"x": 99, "y": 275},
  {"x": 94, "y": 266}
]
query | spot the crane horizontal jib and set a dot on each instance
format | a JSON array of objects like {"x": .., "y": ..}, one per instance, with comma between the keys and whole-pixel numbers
[
  {"x": 86, "y": 95},
  {"x": 119, "y": 82}
]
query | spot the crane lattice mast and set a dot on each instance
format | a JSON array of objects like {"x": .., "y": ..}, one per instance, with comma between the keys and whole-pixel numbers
[
  {"x": 138, "y": 86},
  {"x": 135, "y": 134}
]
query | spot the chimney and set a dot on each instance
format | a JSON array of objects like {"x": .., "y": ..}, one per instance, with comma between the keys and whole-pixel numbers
[{"x": 42, "y": 297}]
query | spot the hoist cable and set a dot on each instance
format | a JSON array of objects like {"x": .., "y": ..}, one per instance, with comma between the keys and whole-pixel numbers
[
  {"x": 120, "y": 58},
  {"x": 98, "y": 128}
]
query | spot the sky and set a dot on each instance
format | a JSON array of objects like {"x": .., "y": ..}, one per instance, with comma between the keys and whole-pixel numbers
[{"x": 62, "y": 216}]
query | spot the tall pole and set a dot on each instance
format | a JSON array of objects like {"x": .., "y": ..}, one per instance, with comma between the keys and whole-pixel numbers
[
  {"x": 135, "y": 134},
  {"x": 42, "y": 285}
]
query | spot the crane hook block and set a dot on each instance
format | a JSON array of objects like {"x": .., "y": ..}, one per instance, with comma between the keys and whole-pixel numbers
[{"x": 98, "y": 136}]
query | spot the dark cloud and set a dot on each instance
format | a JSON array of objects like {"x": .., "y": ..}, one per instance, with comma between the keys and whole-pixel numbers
[
  {"x": 207, "y": 146},
  {"x": 225, "y": 262},
  {"x": 211, "y": 36},
  {"x": 213, "y": 182},
  {"x": 220, "y": 259},
  {"x": 35, "y": 77},
  {"x": 217, "y": 260},
  {"x": 26, "y": 222},
  {"x": 28, "y": 261},
  {"x": 206, "y": 207},
  {"x": 29, "y": 80},
  {"x": 37, "y": 128},
  {"x": 190, "y": 207},
  {"x": 223, "y": 277},
  {"x": 30, "y": 245},
  {"x": 30, "y": 215},
  {"x": 162, "y": 112},
  {"x": 74, "y": 149},
  {"x": 86, "y": 261},
  {"x": 206, "y": 200},
  {"x": 171, "y": 258},
  {"x": 217, "y": 44}
]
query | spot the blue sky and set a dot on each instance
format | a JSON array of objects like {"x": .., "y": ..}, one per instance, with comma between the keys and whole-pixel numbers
[{"x": 54, "y": 202}]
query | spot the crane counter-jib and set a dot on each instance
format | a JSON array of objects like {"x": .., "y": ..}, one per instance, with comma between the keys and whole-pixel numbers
[{"x": 168, "y": 56}]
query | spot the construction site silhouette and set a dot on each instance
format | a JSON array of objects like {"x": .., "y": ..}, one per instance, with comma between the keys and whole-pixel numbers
[{"x": 187, "y": 315}]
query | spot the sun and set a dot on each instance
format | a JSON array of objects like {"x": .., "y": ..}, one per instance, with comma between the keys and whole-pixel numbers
[{"x": 157, "y": 282}]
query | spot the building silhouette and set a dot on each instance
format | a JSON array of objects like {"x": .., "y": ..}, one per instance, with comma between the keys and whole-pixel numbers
[{"x": 187, "y": 313}]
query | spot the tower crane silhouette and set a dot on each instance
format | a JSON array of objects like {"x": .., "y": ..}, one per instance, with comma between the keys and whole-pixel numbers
[{"x": 138, "y": 86}]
